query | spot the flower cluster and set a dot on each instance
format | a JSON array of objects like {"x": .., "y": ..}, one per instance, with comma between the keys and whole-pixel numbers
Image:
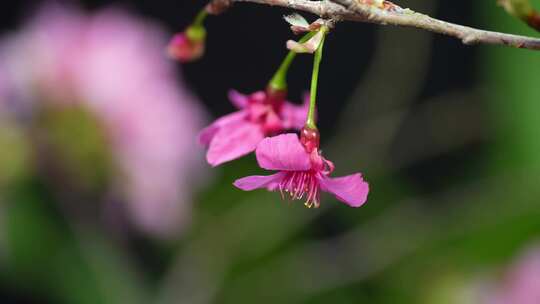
[
  {"x": 263, "y": 120},
  {"x": 259, "y": 115}
]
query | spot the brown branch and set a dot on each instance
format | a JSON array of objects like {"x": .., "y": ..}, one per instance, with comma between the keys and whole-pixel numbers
[{"x": 389, "y": 13}]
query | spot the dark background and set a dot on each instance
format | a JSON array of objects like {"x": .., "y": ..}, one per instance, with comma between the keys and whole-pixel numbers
[{"x": 246, "y": 45}]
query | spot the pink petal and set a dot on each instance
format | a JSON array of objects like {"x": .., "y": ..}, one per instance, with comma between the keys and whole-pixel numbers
[
  {"x": 351, "y": 189},
  {"x": 238, "y": 99},
  {"x": 233, "y": 141},
  {"x": 294, "y": 116},
  {"x": 256, "y": 182},
  {"x": 257, "y": 110},
  {"x": 284, "y": 153},
  {"x": 208, "y": 133},
  {"x": 273, "y": 123},
  {"x": 258, "y": 97}
]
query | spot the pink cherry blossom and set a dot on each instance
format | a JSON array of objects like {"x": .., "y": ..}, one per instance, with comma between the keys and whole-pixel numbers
[
  {"x": 260, "y": 114},
  {"x": 303, "y": 172}
]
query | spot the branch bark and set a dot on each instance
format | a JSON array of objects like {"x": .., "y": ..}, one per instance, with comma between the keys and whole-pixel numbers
[{"x": 391, "y": 14}]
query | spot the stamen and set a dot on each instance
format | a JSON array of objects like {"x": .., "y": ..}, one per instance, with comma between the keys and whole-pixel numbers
[
  {"x": 300, "y": 184},
  {"x": 281, "y": 191}
]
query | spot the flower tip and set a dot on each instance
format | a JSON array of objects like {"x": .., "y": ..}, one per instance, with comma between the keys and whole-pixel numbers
[
  {"x": 184, "y": 48},
  {"x": 214, "y": 160},
  {"x": 363, "y": 189},
  {"x": 214, "y": 163},
  {"x": 241, "y": 184}
]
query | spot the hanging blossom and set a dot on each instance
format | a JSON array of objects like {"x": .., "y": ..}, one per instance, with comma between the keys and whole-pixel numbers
[
  {"x": 259, "y": 115},
  {"x": 112, "y": 65},
  {"x": 303, "y": 171}
]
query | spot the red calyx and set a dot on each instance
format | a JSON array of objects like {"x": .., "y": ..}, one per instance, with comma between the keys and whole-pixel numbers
[
  {"x": 275, "y": 97},
  {"x": 310, "y": 138}
]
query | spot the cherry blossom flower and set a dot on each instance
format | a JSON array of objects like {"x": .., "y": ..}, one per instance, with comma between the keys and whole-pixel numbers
[
  {"x": 260, "y": 114},
  {"x": 303, "y": 171}
]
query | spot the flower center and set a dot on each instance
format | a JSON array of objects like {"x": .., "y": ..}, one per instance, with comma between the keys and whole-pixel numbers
[
  {"x": 264, "y": 115},
  {"x": 275, "y": 98},
  {"x": 300, "y": 184}
]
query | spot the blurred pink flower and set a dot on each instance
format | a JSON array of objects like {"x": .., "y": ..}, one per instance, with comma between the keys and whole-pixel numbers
[
  {"x": 302, "y": 172},
  {"x": 521, "y": 284},
  {"x": 260, "y": 114},
  {"x": 3, "y": 89},
  {"x": 113, "y": 64}
]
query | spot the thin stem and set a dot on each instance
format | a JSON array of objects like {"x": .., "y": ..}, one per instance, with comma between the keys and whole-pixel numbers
[
  {"x": 196, "y": 31},
  {"x": 200, "y": 18},
  {"x": 311, "y": 119},
  {"x": 279, "y": 80}
]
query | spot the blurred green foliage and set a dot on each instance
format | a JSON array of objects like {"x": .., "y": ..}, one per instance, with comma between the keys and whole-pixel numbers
[
  {"x": 71, "y": 143},
  {"x": 15, "y": 158}
]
